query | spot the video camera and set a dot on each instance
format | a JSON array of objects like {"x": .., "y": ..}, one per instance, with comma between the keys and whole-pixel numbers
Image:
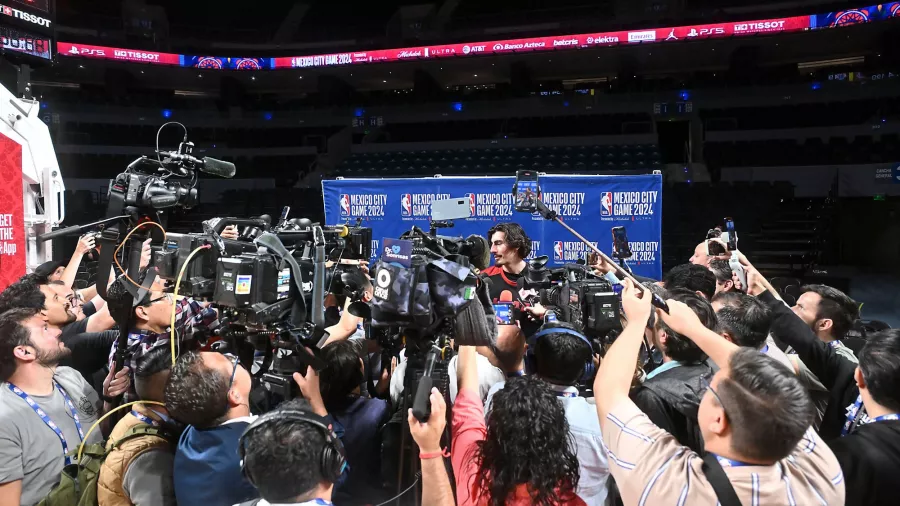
[{"x": 582, "y": 299}]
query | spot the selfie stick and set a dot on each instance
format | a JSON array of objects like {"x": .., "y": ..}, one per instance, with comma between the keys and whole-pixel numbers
[{"x": 549, "y": 214}]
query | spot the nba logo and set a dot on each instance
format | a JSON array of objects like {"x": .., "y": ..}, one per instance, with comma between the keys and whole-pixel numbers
[
  {"x": 606, "y": 204},
  {"x": 471, "y": 203},
  {"x": 345, "y": 204},
  {"x": 406, "y": 205},
  {"x": 558, "y": 251}
]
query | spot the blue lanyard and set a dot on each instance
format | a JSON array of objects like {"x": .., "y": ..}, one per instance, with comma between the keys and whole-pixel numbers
[
  {"x": 144, "y": 418},
  {"x": 567, "y": 394},
  {"x": 891, "y": 416},
  {"x": 852, "y": 413},
  {"x": 515, "y": 373},
  {"x": 835, "y": 344},
  {"x": 46, "y": 418},
  {"x": 732, "y": 463},
  {"x": 765, "y": 350}
]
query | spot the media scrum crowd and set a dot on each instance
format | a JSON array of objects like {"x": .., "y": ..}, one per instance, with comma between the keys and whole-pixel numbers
[{"x": 727, "y": 396}]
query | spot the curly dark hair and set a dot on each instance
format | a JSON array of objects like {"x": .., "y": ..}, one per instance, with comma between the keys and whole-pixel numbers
[
  {"x": 24, "y": 293},
  {"x": 515, "y": 237},
  {"x": 545, "y": 460}
]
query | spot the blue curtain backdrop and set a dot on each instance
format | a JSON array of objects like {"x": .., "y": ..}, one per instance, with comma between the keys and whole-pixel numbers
[{"x": 592, "y": 205}]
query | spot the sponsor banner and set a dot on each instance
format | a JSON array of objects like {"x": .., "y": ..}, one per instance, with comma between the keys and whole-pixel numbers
[
  {"x": 12, "y": 218},
  {"x": 41, "y": 5},
  {"x": 115, "y": 53},
  {"x": 590, "y": 204},
  {"x": 556, "y": 43},
  {"x": 32, "y": 19},
  {"x": 13, "y": 39}
]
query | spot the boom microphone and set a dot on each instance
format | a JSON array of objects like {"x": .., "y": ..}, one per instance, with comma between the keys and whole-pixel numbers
[{"x": 216, "y": 167}]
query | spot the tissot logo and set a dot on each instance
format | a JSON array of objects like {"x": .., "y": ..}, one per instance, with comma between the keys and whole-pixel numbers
[{"x": 24, "y": 16}]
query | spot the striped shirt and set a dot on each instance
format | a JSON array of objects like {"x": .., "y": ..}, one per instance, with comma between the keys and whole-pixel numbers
[{"x": 651, "y": 468}]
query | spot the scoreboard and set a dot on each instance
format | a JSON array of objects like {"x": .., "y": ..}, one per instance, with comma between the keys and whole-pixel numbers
[{"x": 27, "y": 27}]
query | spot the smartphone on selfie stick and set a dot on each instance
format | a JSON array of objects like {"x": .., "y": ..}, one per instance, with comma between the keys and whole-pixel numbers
[
  {"x": 731, "y": 239},
  {"x": 526, "y": 193}
]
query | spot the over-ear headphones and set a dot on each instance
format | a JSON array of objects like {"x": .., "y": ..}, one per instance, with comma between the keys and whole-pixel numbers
[
  {"x": 333, "y": 460},
  {"x": 531, "y": 359}
]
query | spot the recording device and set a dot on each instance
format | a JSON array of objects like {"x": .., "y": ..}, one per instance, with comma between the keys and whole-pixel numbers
[
  {"x": 505, "y": 312},
  {"x": 582, "y": 299},
  {"x": 526, "y": 191},
  {"x": 451, "y": 209},
  {"x": 621, "y": 249},
  {"x": 731, "y": 239}
]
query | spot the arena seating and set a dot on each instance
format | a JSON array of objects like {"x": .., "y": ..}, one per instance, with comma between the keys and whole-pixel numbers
[
  {"x": 503, "y": 160},
  {"x": 812, "y": 151}
]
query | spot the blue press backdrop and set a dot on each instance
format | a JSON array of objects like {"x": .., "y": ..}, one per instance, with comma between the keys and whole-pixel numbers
[{"x": 592, "y": 205}]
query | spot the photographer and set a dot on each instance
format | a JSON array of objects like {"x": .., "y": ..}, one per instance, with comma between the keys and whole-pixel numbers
[
  {"x": 148, "y": 322},
  {"x": 860, "y": 423},
  {"x": 561, "y": 356},
  {"x": 493, "y": 462},
  {"x": 361, "y": 417},
  {"x": 671, "y": 393},
  {"x": 754, "y": 417},
  {"x": 510, "y": 246},
  {"x": 722, "y": 271},
  {"x": 691, "y": 277},
  {"x": 830, "y": 313},
  {"x": 709, "y": 250}
]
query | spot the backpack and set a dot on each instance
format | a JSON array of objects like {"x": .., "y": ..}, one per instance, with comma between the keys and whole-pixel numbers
[{"x": 78, "y": 482}]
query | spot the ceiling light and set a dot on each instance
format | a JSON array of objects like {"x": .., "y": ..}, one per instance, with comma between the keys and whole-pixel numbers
[
  {"x": 253, "y": 78},
  {"x": 476, "y": 75},
  {"x": 384, "y": 81}
]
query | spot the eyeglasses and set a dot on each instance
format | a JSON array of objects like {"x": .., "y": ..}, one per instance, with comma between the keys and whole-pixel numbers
[
  {"x": 236, "y": 361},
  {"x": 167, "y": 297},
  {"x": 706, "y": 384}
]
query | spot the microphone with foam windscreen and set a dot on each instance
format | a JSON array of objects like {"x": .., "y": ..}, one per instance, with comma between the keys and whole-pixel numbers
[
  {"x": 479, "y": 251},
  {"x": 473, "y": 326},
  {"x": 505, "y": 296},
  {"x": 216, "y": 167}
]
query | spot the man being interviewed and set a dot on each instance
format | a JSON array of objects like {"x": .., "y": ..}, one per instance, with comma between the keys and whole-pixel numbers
[{"x": 755, "y": 418}]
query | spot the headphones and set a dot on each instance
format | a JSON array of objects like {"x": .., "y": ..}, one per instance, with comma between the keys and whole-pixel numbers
[
  {"x": 333, "y": 461},
  {"x": 531, "y": 359}
]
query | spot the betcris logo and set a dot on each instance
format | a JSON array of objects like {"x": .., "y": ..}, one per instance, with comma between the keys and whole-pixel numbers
[
  {"x": 490, "y": 206},
  {"x": 628, "y": 205},
  {"x": 570, "y": 251},
  {"x": 367, "y": 206},
  {"x": 418, "y": 205}
]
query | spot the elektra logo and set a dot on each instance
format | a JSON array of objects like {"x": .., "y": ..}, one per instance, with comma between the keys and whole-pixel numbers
[
  {"x": 645, "y": 36},
  {"x": 609, "y": 39}
]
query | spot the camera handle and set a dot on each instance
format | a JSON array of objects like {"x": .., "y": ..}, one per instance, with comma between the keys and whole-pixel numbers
[
  {"x": 550, "y": 214},
  {"x": 434, "y": 225},
  {"x": 422, "y": 403}
]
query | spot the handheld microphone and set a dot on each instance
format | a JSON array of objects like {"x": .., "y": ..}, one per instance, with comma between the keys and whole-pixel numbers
[{"x": 506, "y": 296}]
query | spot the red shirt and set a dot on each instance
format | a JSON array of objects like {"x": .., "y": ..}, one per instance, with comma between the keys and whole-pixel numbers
[{"x": 468, "y": 428}]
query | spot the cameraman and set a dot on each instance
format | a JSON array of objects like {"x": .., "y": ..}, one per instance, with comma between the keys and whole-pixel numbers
[
  {"x": 148, "y": 322},
  {"x": 561, "y": 356},
  {"x": 671, "y": 393},
  {"x": 510, "y": 246},
  {"x": 754, "y": 416}
]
